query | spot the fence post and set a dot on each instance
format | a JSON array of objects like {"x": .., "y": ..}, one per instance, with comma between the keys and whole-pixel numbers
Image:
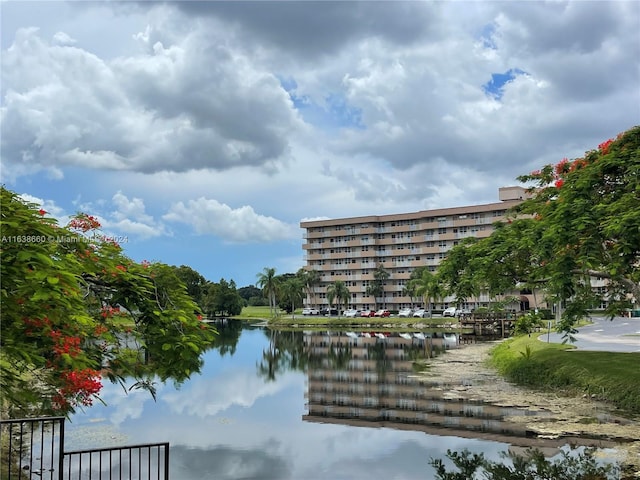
[
  {"x": 166, "y": 461},
  {"x": 61, "y": 452}
]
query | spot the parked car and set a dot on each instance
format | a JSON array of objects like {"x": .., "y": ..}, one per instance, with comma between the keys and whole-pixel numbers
[
  {"x": 310, "y": 311},
  {"x": 328, "y": 311},
  {"x": 351, "y": 313},
  {"x": 465, "y": 312},
  {"x": 421, "y": 312},
  {"x": 367, "y": 313},
  {"x": 449, "y": 312},
  {"x": 382, "y": 313},
  {"x": 405, "y": 312}
]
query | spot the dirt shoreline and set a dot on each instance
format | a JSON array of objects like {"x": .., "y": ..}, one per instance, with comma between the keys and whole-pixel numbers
[{"x": 465, "y": 374}]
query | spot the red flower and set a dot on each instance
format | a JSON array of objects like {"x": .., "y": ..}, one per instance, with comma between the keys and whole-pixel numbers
[
  {"x": 561, "y": 167},
  {"x": 559, "y": 183},
  {"x": 604, "y": 146},
  {"x": 42, "y": 212}
]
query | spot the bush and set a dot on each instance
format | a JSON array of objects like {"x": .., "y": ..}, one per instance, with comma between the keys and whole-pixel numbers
[
  {"x": 528, "y": 323},
  {"x": 573, "y": 464}
]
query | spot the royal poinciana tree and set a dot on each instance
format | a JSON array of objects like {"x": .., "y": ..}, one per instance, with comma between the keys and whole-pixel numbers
[
  {"x": 581, "y": 222},
  {"x": 76, "y": 311},
  {"x": 586, "y": 212}
]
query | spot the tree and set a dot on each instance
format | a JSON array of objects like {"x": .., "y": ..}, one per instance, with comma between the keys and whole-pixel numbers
[
  {"x": 252, "y": 295},
  {"x": 222, "y": 299},
  {"x": 339, "y": 291},
  {"x": 376, "y": 287},
  {"x": 293, "y": 290},
  {"x": 588, "y": 211},
  {"x": 428, "y": 286},
  {"x": 268, "y": 282},
  {"x": 196, "y": 284},
  {"x": 457, "y": 273},
  {"x": 310, "y": 280},
  {"x": 69, "y": 296},
  {"x": 582, "y": 221},
  {"x": 409, "y": 290}
]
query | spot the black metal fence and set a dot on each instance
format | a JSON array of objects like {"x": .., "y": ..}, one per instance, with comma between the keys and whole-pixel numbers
[{"x": 33, "y": 448}]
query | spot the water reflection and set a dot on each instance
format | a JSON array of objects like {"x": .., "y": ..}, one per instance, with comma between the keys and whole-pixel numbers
[
  {"x": 298, "y": 405},
  {"x": 369, "y": 380}
]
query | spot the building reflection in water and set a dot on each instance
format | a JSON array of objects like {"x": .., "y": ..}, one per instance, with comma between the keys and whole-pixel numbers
[{"x": 369, "y": 380}]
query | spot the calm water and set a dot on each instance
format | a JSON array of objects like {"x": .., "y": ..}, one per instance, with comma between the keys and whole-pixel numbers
[{"x": 294, "y": 405}]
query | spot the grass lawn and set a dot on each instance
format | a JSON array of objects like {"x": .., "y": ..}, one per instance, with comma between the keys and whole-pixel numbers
[
  {"x": 610, "y": 376},
  {"x": 288, "y": 320}
]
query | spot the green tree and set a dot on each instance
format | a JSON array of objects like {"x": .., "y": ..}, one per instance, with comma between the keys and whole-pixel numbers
[
  {"x": 582, "y": 221},
  {"x": 310, "y": 280},
  {"x": 376, "y": 287},
  {"x": 588, "y": 210},
  {"x": 458, "y": 275},
  {"x": 196, "y": 284},
  {"x": 252, "y": 295},
  {"x": 293, "y": 290},
  {"x": 222, "y": 299},
  {"x": 268, "y": 282},
  {"x": 69, "y": 296},
  {"x": 340, "y": 292},
  {"x": 428, "y": 286}
]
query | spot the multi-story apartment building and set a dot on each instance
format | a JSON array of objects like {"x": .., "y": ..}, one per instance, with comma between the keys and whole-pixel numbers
[{"x": 350, "y": 249}]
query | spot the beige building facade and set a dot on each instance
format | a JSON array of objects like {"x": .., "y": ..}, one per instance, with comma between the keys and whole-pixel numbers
[{"x": 350, "y": 249}]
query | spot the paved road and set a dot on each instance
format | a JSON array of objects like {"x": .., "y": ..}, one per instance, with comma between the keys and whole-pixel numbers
[{"x": 617, "y": 335}]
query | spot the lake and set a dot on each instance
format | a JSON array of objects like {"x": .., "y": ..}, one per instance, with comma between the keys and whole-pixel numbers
[{"x": 301, "y": 405}]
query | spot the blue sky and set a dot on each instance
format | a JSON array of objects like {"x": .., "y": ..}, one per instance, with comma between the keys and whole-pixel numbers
[{"x": 204, "y": 132}]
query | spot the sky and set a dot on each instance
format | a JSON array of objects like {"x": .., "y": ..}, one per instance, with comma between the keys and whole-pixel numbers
[{"x": 202, "y": 133}]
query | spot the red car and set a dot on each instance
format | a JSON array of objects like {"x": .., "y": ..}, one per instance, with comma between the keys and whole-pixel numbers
[
  {"x": 367, "y": 313},
  {"x": 382, "y": 313}
]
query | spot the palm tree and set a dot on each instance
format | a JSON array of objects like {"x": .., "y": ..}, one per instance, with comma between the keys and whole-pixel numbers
[
  {"x": 310, "y": 279},
  {"x": 429, "y": 287},
  {"x": 268, "y": 282},
  {"x": 376, "y": 287},
  {"x": 338, "y": 290},
  {"x": 293, "y": 290},
  {"x": 409, "y": 290}
]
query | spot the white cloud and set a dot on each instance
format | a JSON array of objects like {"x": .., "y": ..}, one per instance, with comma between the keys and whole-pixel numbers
[
  {"x": 129, "y": 217},
  {"x": 209, "y": 398},
  {"x": 240, "y": 225},
  {"x": 49, "y": 206}
]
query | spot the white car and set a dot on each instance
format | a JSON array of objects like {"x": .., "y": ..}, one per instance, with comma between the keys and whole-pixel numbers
[
  {"x": 405, "y": 312},
  {"x": 421, "y": 312},
  {"x": 449, "y": 312},
  {"x": 310, "y": 311},
  {"x": 351, "y": 313}
]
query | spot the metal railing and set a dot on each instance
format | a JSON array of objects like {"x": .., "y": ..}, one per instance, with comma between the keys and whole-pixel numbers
[
  {"x": 33, "y": 448},
  {"x": 132, "y": 462}
]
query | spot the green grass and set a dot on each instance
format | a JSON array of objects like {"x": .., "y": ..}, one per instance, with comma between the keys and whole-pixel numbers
[
  {"x": 610, "y": 376},
  {"x": 288, "y": 320},
  {"x": 254, "y": 313}
]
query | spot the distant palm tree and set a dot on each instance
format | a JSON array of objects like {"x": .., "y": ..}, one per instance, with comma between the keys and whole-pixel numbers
[
  {"x": 268, "y": 282},
  {"x": 338, "y": 290},
  {"x": 310, "y": 279},
  {"x": 376, "y": 287},
  {"x": 429, "y": 287},
  {"x": 293, "y": 290}
]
